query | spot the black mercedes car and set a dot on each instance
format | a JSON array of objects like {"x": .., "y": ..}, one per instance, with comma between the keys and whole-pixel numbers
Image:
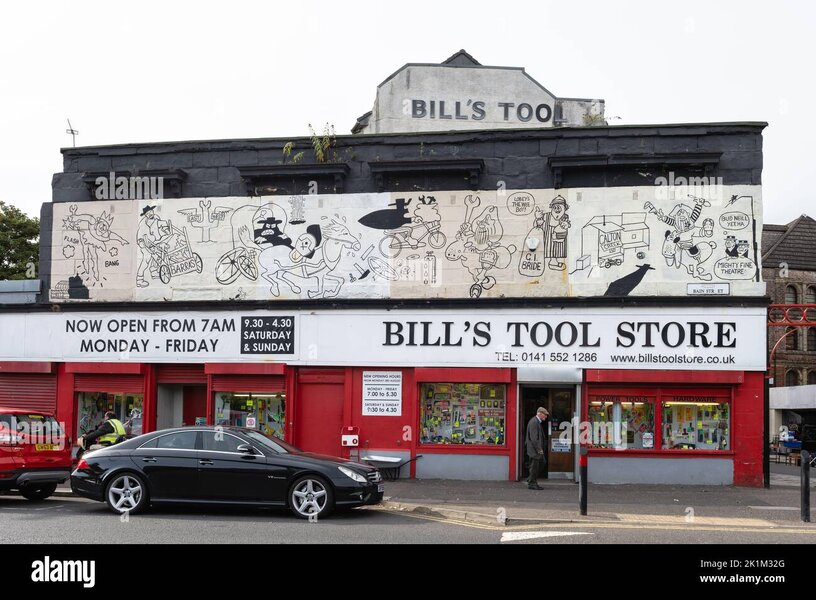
[{"x": 222, "y": 465}]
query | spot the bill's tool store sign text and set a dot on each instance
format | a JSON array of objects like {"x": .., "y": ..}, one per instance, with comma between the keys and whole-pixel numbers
[
  {"x": 477, "y": 110},
  {"x": 690, "y": 336}
]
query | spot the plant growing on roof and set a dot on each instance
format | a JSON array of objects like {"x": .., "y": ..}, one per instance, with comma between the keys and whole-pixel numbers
[
  {"x": 323, "y": 145},
  {"x": 287, "y": 152},
  {"x": 591, "y": 120}
]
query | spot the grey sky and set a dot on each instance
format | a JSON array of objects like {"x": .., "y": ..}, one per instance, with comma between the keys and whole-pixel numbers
[{"x": 159, "y": 71}]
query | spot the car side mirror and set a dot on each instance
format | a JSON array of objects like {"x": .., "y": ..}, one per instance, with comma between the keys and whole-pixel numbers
[{"x": 246, "y": 449}]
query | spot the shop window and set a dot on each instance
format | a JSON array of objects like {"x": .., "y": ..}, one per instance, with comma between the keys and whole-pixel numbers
[
  {"x": 792, "y": 377},
  {"x": 262, "y": 411},
  {"x": 810, "y": 295},
  {"x": 92, "y": 406},
  {"x": 811, "y": 377},
  {"x": 792, "y": 341},
  {"x": 811, "y": 339},
  {"x": 791, "y": 295},
  {"x": 621, "y": 422},
  {"x": 698, "y": 424},
  {"x": 463, "y": 413}
]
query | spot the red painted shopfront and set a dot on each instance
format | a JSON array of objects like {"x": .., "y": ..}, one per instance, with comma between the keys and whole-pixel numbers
[
  {"x": 693, "y": 415},
  {"x": 462, "y": 421}
]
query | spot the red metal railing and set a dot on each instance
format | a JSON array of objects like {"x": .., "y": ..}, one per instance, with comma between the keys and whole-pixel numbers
[{"x": 792, "y": 315}]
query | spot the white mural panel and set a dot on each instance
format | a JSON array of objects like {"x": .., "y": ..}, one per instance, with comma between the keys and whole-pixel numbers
[{"x": 640, "y": 241}]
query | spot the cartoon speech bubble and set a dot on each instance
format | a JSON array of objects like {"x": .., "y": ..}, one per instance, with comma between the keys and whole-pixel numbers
[
  {"x": 735, "y": 268},
  {"x": 734, "y": 220},
  {"x": 520, "y": 203}
]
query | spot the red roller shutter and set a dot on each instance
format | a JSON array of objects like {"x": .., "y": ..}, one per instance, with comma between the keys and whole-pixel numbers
[
  {"x": 321, "y": 375},
  {"x": 182, "y": 374},
  {"x": 84, "y": 382},
  {"x": 249, "y": 383},
  {"x": 29, "y": 391}
]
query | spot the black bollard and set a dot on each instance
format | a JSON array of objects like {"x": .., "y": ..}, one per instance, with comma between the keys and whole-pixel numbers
[
  {"x": 582, "y": 489},
  {"x": 805, "y": 485}
]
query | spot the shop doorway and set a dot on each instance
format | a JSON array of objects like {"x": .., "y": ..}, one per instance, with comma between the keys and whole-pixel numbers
[
  {"x": 560, "y": 402},
  {"x": 181, "y": 405},
  {"x": 320, "y": 397}
]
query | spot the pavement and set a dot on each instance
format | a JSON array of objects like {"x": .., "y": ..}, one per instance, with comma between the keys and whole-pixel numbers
[{"x": 510, "y": 504}]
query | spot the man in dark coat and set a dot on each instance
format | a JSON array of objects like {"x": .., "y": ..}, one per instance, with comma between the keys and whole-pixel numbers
[{"x": 534, "y": 441}]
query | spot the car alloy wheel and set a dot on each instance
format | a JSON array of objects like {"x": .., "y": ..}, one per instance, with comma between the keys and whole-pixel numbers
[
  {"x": 311, "y": 498},
  {"x": 126, "y": 493}
]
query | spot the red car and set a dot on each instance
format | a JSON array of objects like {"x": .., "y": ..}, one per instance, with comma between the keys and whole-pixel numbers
[{"x": 35, "y": 454}]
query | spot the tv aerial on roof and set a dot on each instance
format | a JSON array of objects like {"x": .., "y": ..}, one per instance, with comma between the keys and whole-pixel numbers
[{"x": 72, "y": 132}]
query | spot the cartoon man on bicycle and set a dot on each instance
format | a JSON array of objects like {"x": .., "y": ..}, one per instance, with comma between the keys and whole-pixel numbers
[{"x": 424, "y": 226}]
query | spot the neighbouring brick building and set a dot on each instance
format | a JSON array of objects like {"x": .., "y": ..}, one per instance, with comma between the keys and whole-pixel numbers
[{"x": 789, "y": 270}]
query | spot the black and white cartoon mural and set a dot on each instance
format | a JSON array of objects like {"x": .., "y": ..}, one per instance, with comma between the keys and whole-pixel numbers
[
  {"x": 738, "y": 263},
  {"x": 93, "y": 234},
  {"x": 388, "y": 218},
  {"x": 478, "y": 245},
  {"x": 418, "y": 268},
  {"x": 289, "y": 259},
  {"x": 422, "y": 229},
  {"x": 444, "y": 244},
  {"x": 682, "y": 217},
  {"x": 549, "y": 231},
  {"x": 296, "y": 203},
  {"x": 252, "y": 230},
  {"x": 72, "y": 288},
  {"x": 151, "y": 231},
  {"x": 685, "y": 244},
  {"x": 77, "y": 290},
  {"x": 372, "y": 265},
  {"x": 606, "y": 240},
  {"x": 626, "y": 284},
  {"x": 164, "y": 250},
  {"x": 206, "y": 218},
  {"x": 406, "y": 228},
  {"x": 314, "y": 259}
]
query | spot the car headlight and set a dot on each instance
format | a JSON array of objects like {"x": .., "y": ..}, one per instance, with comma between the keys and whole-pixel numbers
[{"x": 352, "y": 474}]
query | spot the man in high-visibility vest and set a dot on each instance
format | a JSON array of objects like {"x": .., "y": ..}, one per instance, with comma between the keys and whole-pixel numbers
[{"x": 107, "y": 433}]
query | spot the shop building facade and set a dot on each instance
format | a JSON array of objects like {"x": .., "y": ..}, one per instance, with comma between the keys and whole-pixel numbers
[{"x": 426, "y": 291}]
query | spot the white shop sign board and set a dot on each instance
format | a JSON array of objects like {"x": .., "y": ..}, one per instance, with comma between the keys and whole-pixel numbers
[{"x": 675, "y": 338}]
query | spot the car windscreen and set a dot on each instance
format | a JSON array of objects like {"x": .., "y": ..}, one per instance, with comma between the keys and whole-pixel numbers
[
  {"x": 272, "y": 443},
  {"x": 38, "y": 425}
]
